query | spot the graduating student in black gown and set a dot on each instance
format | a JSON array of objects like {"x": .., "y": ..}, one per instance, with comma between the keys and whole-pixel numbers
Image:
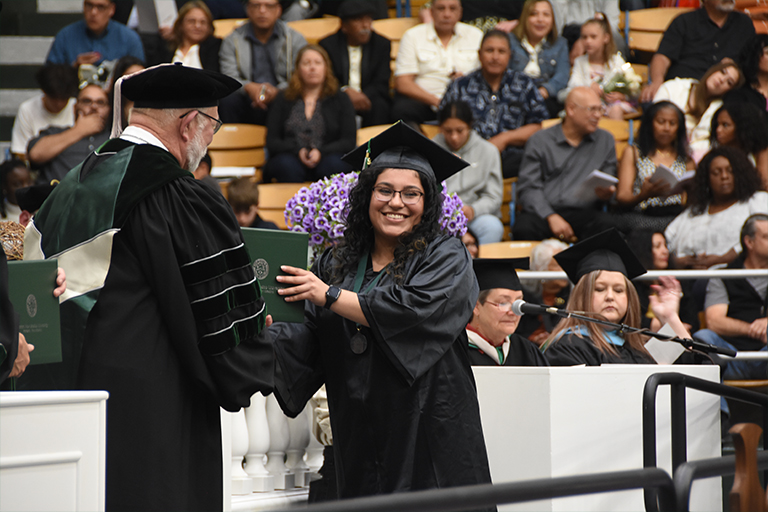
[
  {"x": 163, "y": 309},
  {"x": 602, "y": 266},
  {"x": 491, "y": 333},
  {"x": 387, "y": 337}
]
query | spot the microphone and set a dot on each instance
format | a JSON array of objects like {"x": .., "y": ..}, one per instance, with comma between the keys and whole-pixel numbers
[{"x": 520, "y": 308}]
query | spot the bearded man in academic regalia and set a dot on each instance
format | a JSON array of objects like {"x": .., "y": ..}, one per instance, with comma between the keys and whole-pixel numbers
[{"x": 163, "y": 310}]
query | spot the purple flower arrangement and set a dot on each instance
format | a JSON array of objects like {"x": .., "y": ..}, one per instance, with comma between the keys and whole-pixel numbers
[{"x": 320, "y": 210}]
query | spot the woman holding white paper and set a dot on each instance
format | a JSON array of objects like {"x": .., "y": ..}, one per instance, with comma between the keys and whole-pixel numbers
[{"x": 661, "y": 141}]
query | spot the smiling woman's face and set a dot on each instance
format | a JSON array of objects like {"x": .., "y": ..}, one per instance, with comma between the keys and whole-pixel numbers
[{"x": 393, "y": 218}]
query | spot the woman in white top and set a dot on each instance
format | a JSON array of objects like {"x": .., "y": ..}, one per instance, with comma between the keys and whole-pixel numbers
[
  {"x": 699, "y": 99},
  {"x": 193, "y": 42},
  {"x": 725, "y": 192}
]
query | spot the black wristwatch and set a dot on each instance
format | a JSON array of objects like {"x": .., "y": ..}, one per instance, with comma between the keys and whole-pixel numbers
[{"x": 331, "y": 296}]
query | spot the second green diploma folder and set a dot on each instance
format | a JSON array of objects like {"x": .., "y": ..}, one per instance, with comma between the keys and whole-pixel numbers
[
  {"x": 269, "y": 249},
  {"x": 31, "y": 284}
]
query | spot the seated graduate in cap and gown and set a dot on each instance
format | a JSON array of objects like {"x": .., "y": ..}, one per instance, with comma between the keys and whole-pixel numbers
[
  {"x": 601, "y": 268},
  {"x": 162, "y": 309},
  {"x": 491, "y": 333},
  {"x": 386, "y": 311}
]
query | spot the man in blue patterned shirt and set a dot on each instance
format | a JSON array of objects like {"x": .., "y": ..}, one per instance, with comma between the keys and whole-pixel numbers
[{"x": 507, "y": 107}]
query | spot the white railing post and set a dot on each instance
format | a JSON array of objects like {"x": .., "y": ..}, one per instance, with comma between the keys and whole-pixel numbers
[
  {"x": 258, "y": 436},
  {"x": 299, "y": 430},
  {"x": 241, "y": 482},
  {"x": 279, "y": 438}
]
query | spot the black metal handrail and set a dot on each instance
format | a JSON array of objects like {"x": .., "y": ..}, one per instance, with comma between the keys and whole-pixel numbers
[
  {"x": 687, "y": 472},
  {"x": 472, "y": 497},
  {"x": 679, "y": 382}
]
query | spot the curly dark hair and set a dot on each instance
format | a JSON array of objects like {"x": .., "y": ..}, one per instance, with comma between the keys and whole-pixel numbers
[
  {"x": 359, "y": 234},
  {"x": 645, "y": 139},
  {"x": 745, "y": 177},
  {"x": 751, "y": 132},
  {"x": 749, "y": 59}
]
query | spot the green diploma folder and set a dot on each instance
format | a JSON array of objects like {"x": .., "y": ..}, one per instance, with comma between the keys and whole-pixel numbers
[
  {"x": 270, "y": 248},
  {"x": 31, "y": 286}
]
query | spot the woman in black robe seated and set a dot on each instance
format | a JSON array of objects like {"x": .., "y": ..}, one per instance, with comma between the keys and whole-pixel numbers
[
  {"x": 387, "y": 337},
  {"x": 602, "y": 266}
]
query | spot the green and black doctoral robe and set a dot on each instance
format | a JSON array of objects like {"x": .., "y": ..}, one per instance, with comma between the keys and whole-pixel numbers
[
  {"x": 404, "y": 411},
  {"x": 164, "y": 307}
]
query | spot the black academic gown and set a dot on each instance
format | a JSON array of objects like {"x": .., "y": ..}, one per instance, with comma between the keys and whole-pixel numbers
[
  {"x": 571, "y": 350},
  {"x": 522, "y": 352},
  {"x": 404, "y": 412},
  {"x": 148, "y": 338},
  {"x": 9, "y": 324}
]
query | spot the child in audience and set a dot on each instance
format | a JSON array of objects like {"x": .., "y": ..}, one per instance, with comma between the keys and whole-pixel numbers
[
  {"x": 660, "y": 140},
  {"x": 597, "y": 65},
  {"x": 13, "y": 176},
  {"x": 243, "y": 196},
  {"x": 740, "y": 125}
]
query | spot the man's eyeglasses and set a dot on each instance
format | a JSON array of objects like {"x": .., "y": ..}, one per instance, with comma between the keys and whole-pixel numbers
[
  {"x": 262, "y": 6},
  {"x": 505, "y": 307},
  {"x": 89, "y": 6},
  {"x": 386, "y": 194},
  {"x": 87, "y": 102},
  {"x": 218, "y": 122}
]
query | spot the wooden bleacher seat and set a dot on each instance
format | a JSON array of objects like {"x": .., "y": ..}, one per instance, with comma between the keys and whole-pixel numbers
[
  {"x": 315, "y": 29},
  {"x": 747, "y": 494},
  {"x": 415, "y": 5},
  {"x": 429, "y": 130},
  {"x": 393, "y": 29},
  {"x": 238, "y": 145},
  {"x": 647, "y": 26},
  {"x": 369, "y": 132},
  {"x": 222, "y": 28},
  {"x": 272, "y": 200},
  {"x": 516, "y": 249}
]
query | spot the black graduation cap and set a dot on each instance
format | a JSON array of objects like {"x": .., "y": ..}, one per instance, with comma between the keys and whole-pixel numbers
[
  {"x": 402, "y": 147},
  {"x": 30, "y": 199},
  {"x": 177, "y": 86},
  {"x": 498, "y": 272},
  {"x": 604, "y": 251}
]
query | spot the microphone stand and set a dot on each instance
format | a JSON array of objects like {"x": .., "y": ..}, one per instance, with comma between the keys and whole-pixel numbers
[{"x": 689, "y": 343}]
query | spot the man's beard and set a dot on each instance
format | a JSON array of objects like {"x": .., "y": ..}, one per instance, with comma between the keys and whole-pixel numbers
[
  {"x": 727, "y": 6},
  {"x": 196, "y": 150}
]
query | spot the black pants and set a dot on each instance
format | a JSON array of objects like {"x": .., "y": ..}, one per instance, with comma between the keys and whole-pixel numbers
[
  {"x": 411, "y": 111},
  {"x": 584, "y": 222},
  {"x": 379, "y": 113},
  {"x": 237, "y": 108}
]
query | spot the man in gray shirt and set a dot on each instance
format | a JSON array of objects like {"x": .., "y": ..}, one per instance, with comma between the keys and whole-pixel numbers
[
  {"x": 556, "y": 164},
  {"x": 58, "y": 149},
  {"x": 735, "y": 309},
  {"x": 260, "y": 55}
]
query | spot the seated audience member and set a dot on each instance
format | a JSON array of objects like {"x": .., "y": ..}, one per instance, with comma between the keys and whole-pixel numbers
[
  {"x": 193, "y": 43},
  {"x": 125, "y": 66},
  {"x": 13, "y": 176},
  {"x": 556, "y": 163},
  {"x": 661, "y": 140},
  {"x": 479, "y": 186},
  {"x": 311, "y": 124},
  {"x": 602, "y": 268},
  {"x": 650, "y": 247},
  {"x": 203, "y": 173},
  {"x": 551, "y": 292},
  {"x": 741, "y": 125},
  {"x": 361, "y": 62},
  {"x": 430, "y": 56},
  {"x": 735, "y": 308},
  {"x": 53, "y": 107},
  {"x": 30, "y": 200},
  {"x": 260, "y": 55},
  {"x": 95, "y": 38},
  {"x": 694, "y": 40},
  {"x": 506, "y": 104},
  {"x": 594, "y": 69},
  {"x": 469, "y": 239},
  {"x": 699, "y": 100},
  {"x": 754, "y": 64},
  {"x": 570, "y": 15},
  {"x": 725, "y": 192},
  {"x": 57, "y": 150},
  {"x": 243, "y": 196},
  {"x": 540, "y": 53},
  {"x": 491, "y": 332}
]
